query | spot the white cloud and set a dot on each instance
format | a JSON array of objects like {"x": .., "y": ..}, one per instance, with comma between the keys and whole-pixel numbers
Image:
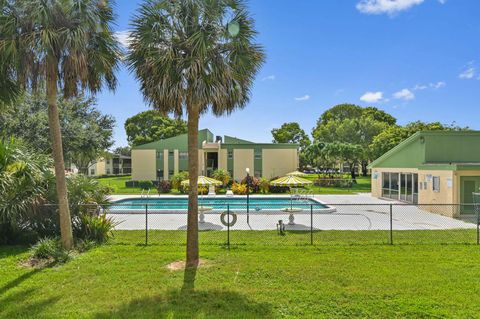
[
  {"x": 468, "y": 73},
  {"x": 435, "y": 86},
  {"x": 442, "y": 1},
  {"x": 438, "y": 85},
  {"x": 123, "y": 37},
  {"x": 420, "y": 87},
  {"x": 386, "y": 6},
  {"x": 404, "y": 94},
  {"x": 372, "y": 97},
  {"x": 269, "y": 78},
  {"x": 303, "y": 98}
]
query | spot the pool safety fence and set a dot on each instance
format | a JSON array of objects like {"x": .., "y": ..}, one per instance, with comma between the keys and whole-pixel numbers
[{"x": 294, "y": 224}]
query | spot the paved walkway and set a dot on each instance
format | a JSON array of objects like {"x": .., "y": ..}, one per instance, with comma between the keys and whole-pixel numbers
[{"x": 352, "y": 212}]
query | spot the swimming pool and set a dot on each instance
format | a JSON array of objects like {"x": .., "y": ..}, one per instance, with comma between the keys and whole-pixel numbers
[{"x": 217, "y": 203}]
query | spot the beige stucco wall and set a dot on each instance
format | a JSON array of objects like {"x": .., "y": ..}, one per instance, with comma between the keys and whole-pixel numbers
[
  {"x": 242, "y": 158},
  {"x": 428, "y": 199},
  {"x": 278, "y": 162},
  {"x": 201, "y": 162},
  {"x": 143, "y": 165},
  {"x": 175, "y": 161},
  {"x": 222, "y": 159},
  {"x": 165, "y": 164}
]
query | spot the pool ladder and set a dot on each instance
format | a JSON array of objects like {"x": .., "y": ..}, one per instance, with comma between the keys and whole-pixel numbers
[{"x": 143, "y": 195}]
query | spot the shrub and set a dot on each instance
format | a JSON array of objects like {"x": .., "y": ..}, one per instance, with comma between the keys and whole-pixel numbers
[
  {"x": 51, "y": 249},
  {"x": 164, "y": 187},
  {"x": 254, "y": 184},
  {"x": 177, "y": 180},
  {"x": 95, "y": 228},
  {"x": 145, "y": 184},
  {"x": 279, "y": 189},
  {"x": 239, "y": 189},
  {"x": 222, "y": 175},
  {"x": 333, "y": 180},
  {"x": 264, "y": 185}
]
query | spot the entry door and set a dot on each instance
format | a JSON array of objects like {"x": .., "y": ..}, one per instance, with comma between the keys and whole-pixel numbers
[{"x": 469, "y": 185}]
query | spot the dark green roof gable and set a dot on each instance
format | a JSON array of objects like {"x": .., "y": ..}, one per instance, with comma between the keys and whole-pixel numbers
[
  {"x": 433, "y": 147},
  {"x": 179, "y": 142},
  {"x": 233, "y": 140}
]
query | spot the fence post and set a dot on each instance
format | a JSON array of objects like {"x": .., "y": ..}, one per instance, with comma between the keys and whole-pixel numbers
[
  {"x": 228, "y": 226},
  {"x": 146, "y": 224},
  {"x": 477, "y": 211},
  {"x": 311, "y": 224},
  {"x": 391, "y": 224}
]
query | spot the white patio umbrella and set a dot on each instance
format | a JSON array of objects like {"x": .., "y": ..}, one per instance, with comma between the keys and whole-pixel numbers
[{"x": 291, "y": 181}]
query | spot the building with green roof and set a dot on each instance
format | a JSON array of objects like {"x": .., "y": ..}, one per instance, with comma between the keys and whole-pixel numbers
[
  {"x": 161, "y": 159},
  {"x": 431, "y": 169}
]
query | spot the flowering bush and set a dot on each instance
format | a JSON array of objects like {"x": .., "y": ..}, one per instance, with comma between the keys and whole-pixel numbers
[{"x": 239, "y": 189}]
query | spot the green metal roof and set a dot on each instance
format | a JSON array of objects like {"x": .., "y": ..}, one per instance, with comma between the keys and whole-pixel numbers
[
  {"x": 180, "y": 142},
  {"x": 434, "y": 150}
]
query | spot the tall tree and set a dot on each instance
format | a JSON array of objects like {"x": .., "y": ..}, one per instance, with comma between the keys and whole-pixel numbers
[
  {"x": 59, "y": 45},
  {"x": 291, "y": 133},
  {"x": 191, "y": 56},
  {"x": 152, "y": 125},
  {"x": 86, "y": 132},
  {"x": 352, "y": 124}
]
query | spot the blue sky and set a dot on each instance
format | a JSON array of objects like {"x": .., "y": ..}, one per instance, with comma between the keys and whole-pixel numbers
[{"x": 416, "y": 59}]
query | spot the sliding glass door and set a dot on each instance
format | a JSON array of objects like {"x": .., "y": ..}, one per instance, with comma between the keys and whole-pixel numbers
[{"x": 400, "y": 186}]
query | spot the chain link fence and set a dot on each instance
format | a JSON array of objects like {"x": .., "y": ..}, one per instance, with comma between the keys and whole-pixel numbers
[{"x": 300, "y": 223}]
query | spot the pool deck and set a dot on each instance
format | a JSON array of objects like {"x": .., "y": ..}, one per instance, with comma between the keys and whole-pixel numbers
[{"x": 349, "y": 212}]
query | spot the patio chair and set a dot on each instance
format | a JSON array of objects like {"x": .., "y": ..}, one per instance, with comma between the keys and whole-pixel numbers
[{"x": 229, "y": 193}]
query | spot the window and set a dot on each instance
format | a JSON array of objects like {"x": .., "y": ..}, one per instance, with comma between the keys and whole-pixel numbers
[
  {"x": 230, "y": 154},
  {"x": 159, "y": 154},
  {"x": 258, "y": 173},
  {"x": 230, "y": 172},
  {"x": 108, "y": 162},
  {"x": 170, "y": 153},
  {"x": 108, "y": 171},
  {"x": 183, "y": 155},
  {"x": 436, "y": 184},
  {"x": 92, "y": 171},
  {"x": 258, "y": 154},
  {"x": 170, "y": 173}
]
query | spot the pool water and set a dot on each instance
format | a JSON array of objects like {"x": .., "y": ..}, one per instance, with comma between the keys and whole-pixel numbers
[{"x": 255, "y": 203}]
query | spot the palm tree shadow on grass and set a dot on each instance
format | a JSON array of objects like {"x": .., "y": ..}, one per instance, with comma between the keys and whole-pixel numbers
[{"x": 192, "y": 304}]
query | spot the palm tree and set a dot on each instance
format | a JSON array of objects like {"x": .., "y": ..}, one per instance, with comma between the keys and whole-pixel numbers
[
  {"x": 63, "y": 46},
  {"x": 192, "y": 56}
]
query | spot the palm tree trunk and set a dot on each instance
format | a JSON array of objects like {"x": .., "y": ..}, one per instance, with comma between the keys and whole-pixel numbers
[
  {"x": 56, "y": 136},
  {"x": 192, "y": 223}
]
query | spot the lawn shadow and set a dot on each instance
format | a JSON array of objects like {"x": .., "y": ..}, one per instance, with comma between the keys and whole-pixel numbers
[
  {"x": 23, "y": 304},
  {"x": 192, "y": 304},
  {"x": 17, "y": 281}
]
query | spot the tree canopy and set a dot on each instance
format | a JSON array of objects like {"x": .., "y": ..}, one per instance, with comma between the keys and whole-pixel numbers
[
  {"x": 152, "y": 125},
  {"x": 86, "y": 132},
  {"x": 291, "y": 133},
  {"x": 350, "y": 124}
]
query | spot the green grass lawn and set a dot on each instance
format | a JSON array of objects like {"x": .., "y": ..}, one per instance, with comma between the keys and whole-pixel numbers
[
  {"x": 126, "y": 280},
  {"x": 363, "y": 185}
]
